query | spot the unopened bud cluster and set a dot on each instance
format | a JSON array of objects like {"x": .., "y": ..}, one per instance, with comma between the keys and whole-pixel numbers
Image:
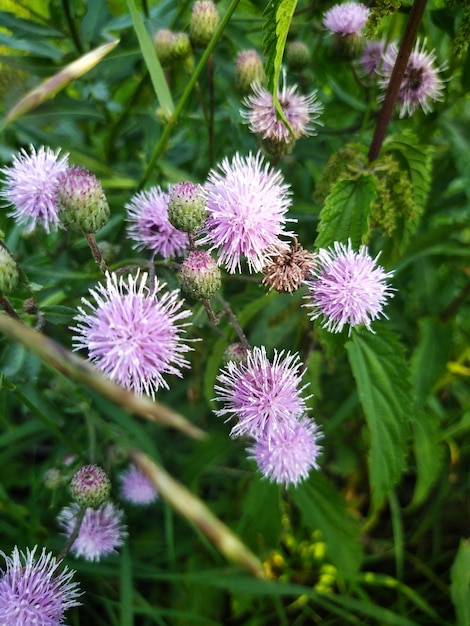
[
  {"x": 81, "y": 201},
  {"x": 90, "y": 486},
  {"x": 204, "y": 21},
  {"x": 187, "y": 207},
  {"x": 200, "y": 275}
]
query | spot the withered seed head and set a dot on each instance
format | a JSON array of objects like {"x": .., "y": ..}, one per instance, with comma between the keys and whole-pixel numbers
[{"x": 287, "y": 268}]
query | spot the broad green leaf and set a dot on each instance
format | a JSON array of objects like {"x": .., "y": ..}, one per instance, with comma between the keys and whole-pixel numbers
[
  {"x": 154, "y": 67},
  {"x": 383, "y": 383},
  {"x": 460, "y": 583},
  {"x": 346, "y": 212},
  {"x": 261, "y": 513},
  {"x": 428, "y": 453},
  {"x": 323, "y": 508}
]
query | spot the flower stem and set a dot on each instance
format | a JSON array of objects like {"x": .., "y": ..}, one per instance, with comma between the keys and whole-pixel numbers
[
  {"x": 74, "y": 534},
  {"x": 96, "y": 252},
  {"x": 406, "y": 46},
  {"x": 236, "y": 326}
]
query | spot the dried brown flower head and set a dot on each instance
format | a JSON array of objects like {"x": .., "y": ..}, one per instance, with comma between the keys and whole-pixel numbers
[{"x": 287, "y": 268}]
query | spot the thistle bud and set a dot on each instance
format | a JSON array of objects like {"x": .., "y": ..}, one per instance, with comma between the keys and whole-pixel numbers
[
  {"x": 187, "y": 207},
  {"x": 90, "y": 486},
  {"x": 234, "y": 352},
  {"x": 8, "y": 272},
  {"x": 161, "y": 43},
  {"x": 53, "y": 478},
  {"x": 249, "y": 69},
  {"x": 180, "y": 47},
  {"x": 204, "y": 21},
  {"x": 83, "y": 207},
  {"x": 200, "y": 275},
  {"x": 298, "y": 56}
]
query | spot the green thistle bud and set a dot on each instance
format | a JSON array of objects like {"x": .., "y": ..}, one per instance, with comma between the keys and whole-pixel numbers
[
  {"x": 53, "y": 478},
  {"x": 83, "y": 207},
  {"x": 346, "y": 48},
  {"x": 187, "y": 207},
  {"x": 204, "y": 21},
  {"x": 249, "y": 69},
  {"x": 234, "y": 352},
  {"x": 8, "y": 272},
  {"x": 200, "y": 276},
  {"x": 162, "y": 44},
  {"x": 90, "y": 486},
  {"x": 298, "y": 56},
  {"x": 180, "y": 47}
]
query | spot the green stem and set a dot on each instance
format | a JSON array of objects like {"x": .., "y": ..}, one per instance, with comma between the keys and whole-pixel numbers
[
  {"x": 409, "y": 38},
  {"x": 159, "y": 148},
  {"x": 76, "y": 529},
  {"x": 72, "y": 26}
]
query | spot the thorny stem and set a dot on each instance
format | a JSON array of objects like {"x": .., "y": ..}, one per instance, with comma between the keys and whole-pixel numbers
[
  {"x": 406, "y": 46},
  {"x": 76, "y": 529},
  {"x": 210, "y": 313},
  {"x": 233, "y": 320},
  {"x": 96, "y": 252}
]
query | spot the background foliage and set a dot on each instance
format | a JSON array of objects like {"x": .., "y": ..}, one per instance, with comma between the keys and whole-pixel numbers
[{"x": 380, "y": 534}]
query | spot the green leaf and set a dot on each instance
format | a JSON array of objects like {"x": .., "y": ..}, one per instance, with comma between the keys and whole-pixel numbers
[
  {"x": 428, "y": 453},
  {"x": 278, "y": 16},
  {"x": 383, "y": 383},
  {"x": 460, "y": 583},
  {"x": 261, "y": 513},
  {"x": 151, "y": 60},
  {"x": 346, "y": 212},
  {"x": 324, "y": 509}
]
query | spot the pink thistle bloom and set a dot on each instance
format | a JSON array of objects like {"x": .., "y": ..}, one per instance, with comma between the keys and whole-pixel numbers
[
  {"x": 421, "y": 82},
  {"x": 136, "y": 488},
  {"x": 101, "y": 531},
  {"x": 31, "y": 187},
  {"x": 132, "y": 334},
  {"x": 348, "y": 18},
  {"x": 289, "y": 455},
  {"x": 246, "y": 202},
  {"x": 35, "y": 590},
  {"x": 301, "y": 112},
  {"x": 347, "y": 287},
  {"x": 372, "y": 57},
  {"x": 147, "y": 212},
  {"x": 263, "y": 396}
]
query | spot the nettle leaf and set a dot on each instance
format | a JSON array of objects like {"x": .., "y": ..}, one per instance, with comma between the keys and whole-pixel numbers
[
  {"x": 346, "y": 212},
  {"x": 277, "y": 19},
  {"x": 383, "y": 383},
  {"x": 323, "y": 508},
  {"x": 418, "y": 161},
  {"x": 460, "y": 585}
]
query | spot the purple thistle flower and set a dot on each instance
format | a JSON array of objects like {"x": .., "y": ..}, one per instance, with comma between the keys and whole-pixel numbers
[
  {"x": 372, "y": 57},
  {"x": 246, "y": 203},
  {"x": 263, "y": 396},
  {"x": 101, "y": 531},
  {"x": 132, "y": 334},
  {"x": 301, "y": 112},
  {"x": 136, "y": 488},
  {"x": 289, "y": 455},
  {"x": 147, "y": 212},
  {"x": 420, "y": 84},
  {"x": 35, "y": 590},
  {"x": 347, "y": 287},
  {"x": 348, "y": 18},
  {"x": 31, "y": 187}
]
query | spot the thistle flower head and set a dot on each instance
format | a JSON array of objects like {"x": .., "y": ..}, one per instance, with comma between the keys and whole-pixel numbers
[
  {"x": 347, "y": 288},
  {"x": 136, "y": 488},
  {"x": 90, "y": 486},
  {"x": 289, "y": 455},
  {"x": 372, "y": 57},
  {"x": 147, "y": 212},
  {"x": 300, "y": 111},
  {"x": 263, "y": 396},
  {"x": 247, "y": 202},
  {"x": 347, "y": 18},
  {"x": 101, "y": 531},
  {"x": 420, "y": 84},
  {"x": 30, "y": 186},
  {"x": 133, "y": 333},
  {"x": 249, "y": 70},
  {"x": 286, "y": 269},
  {"x": 35, "y": 590}
]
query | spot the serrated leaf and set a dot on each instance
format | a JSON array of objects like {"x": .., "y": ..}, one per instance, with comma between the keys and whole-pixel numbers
[
  {"x": 323, "y": 508},
  {"x": 460, "y": 583},
  {"x": 383, "y": 383},
  {"x": 152, "y": 62},
  {"x": 277, "y": 19},
  {"x": 346, "y": 212},
  {"x": 418, "y": 161}
]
